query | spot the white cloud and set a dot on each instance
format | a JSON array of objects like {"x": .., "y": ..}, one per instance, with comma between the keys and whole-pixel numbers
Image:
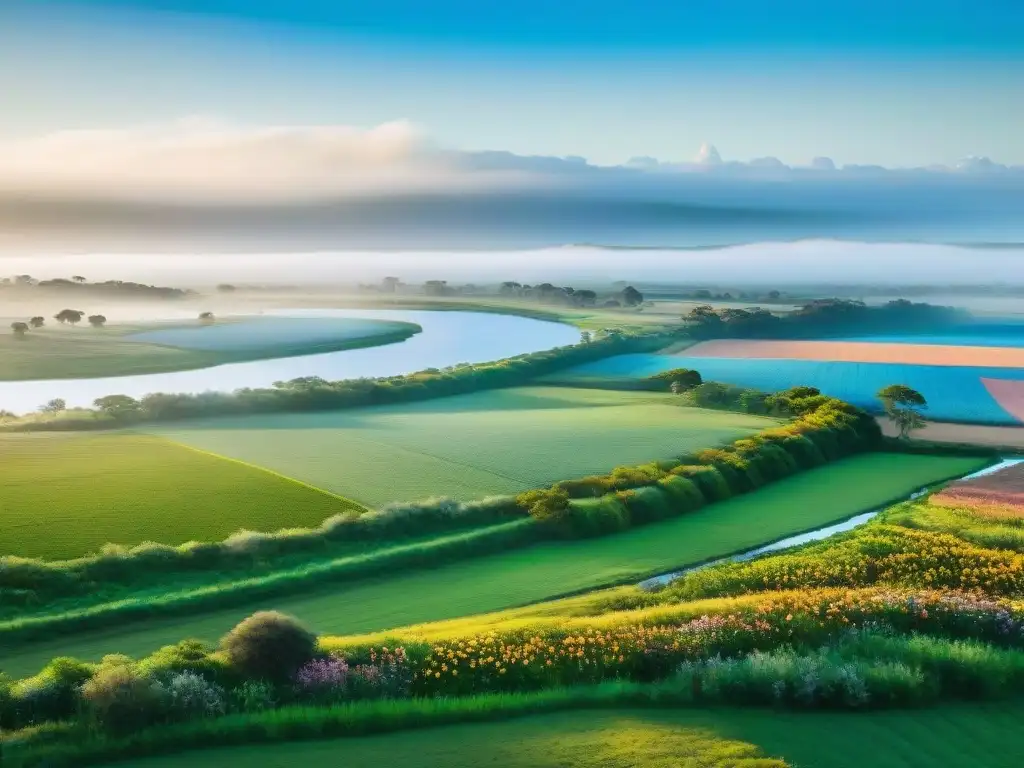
[{"x": 204, "y": 160}]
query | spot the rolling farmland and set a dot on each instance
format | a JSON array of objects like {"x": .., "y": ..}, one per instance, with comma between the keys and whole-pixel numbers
[
  {"x": 67, "y": 494},
  {"x": 469, "y": 446}
]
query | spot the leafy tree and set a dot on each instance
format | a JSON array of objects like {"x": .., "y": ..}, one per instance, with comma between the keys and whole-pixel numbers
[
  {"x": 226, "y": 288},
  {"x": 97, "y": 321},
  {"x": 20, "y": 329},
  {"x": 207, "y": 318},
  {"x": 54, "y": 406},
  {"x": 903, "y": 407},
  {"x": 118, "y": 406},
  {"x": 78, "y": 278},
  {"x": 585, "y": 297},
  {"x": 72, "y": 316},
  {"x": 37, "y": 322},
  {"x": 680, "y": 379},
  {"x": 631, "y": 297}
]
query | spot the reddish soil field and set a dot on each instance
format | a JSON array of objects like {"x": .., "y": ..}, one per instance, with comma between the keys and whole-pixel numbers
[
  {"x": 1008, "y": 393},
  {"x": 863, "y": 352},
  {"x": 1000, "y": 493}
]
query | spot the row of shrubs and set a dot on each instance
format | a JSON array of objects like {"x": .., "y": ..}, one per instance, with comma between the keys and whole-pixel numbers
[
  {"x": 864, "y": 670},
  {"x": 269, "y": 660},
  {"x": 32, "y": 581},
  {"x": 823, "y": 430},
  {"x": 312, "y": 393}
]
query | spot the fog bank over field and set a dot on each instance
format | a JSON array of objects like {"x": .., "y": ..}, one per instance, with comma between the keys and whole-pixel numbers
[{"x": 818, "y": 262}]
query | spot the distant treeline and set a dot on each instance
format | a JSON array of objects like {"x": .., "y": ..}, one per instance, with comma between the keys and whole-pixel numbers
[
  {"x": 822, "y": 317},
  {"x": 80, "y": 286}
]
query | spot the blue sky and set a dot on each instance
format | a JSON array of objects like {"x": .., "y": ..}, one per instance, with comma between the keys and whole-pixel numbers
[{"x": 896, "y": 83}]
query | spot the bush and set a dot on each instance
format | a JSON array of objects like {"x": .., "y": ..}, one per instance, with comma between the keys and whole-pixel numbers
[
  {"x": 119, "y": 699},
  {"x": 709, "y": 481},
  {"x": 596, "y": 517},
  {"x": 52, "y": 694},
  {"x": 646, "y": 505},
  {"x": 684, "y": 494},
  {"x": 269, "y": 645},
  {"x": 192, "y": 696},
  {"x": 254, "y": 696}
]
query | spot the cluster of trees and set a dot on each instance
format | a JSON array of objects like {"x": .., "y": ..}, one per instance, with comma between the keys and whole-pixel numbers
[
  {"x": 64, "y": 317},
  {"x": 821, "y": 317},
  {"x": 553, "y": 294},
  {"x": 81, "y": 285},
  {"x": 704, "y": 294},
  {"x": 822, "y": 429}
]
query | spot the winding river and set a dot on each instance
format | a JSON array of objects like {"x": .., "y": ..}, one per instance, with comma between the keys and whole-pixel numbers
[{"x": 448, "y": 338}]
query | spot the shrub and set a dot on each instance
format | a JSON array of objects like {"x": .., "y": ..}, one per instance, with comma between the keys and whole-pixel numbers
[
  {"x": 120, "y": 700},
  {"x": 683, "y": 493},
  {"x": 596, "y": 517},
  {"x": 192, "y": 696},
  {"x": 708, "y": 480},
  {"x": 254, "y": 696},
  {"x": 645, "y": 505},
  {"x": 324, "y": 680},
  {"x": 52, "y": 694},
  {"x": 269, "y": 645}
]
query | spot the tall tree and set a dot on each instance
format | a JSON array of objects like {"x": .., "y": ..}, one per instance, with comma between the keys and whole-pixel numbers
[
  {"x": 20, "y": 329},
  {"x": 37, "y": 322},
  {"x": 903, "y": 407},
  {"x": 97, "y": 321}
]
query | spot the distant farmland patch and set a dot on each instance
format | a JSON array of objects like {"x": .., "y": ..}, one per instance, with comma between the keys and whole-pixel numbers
[
  {"x": 495, "y": 442},
  {"x": 66, "y": 495}
]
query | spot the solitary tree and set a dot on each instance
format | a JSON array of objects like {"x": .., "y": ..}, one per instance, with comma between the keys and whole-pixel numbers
[
  {"x": 78, "y": 278},
  {"x": 226, "y": 288},
  {"x": 631, "y": 297},
  {"x": 680, "y": 379},
  {"x": 207, "y": 318},
  {"x": 72, "y": 316},
  {"x": 585, "y": 337},
  {"x": 20, "y": 329},
  {"x": 97, "y": 321},
  {"x": 37, "y": 322},
  {"x": 54, "y": 406},
  {"x": 903, "y": 407}
]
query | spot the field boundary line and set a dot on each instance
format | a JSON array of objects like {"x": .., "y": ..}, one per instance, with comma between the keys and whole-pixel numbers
[{"x": 258, "y": 468}]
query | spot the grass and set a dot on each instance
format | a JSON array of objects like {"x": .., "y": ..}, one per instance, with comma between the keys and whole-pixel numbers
[
  {"x": 544, "y": 571},
  {"x": 495, "y": 442},
  {"x": 967, "y": 736},
  {"x": 62, "y": 352},
  {"x": 66, "y": 495}
]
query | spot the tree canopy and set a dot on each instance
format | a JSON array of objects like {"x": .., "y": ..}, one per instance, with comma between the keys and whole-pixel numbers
[{"x": 903, "y": 407}]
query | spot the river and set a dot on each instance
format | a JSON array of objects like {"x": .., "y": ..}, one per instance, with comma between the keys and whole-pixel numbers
[{"x": 448, "y": 338}]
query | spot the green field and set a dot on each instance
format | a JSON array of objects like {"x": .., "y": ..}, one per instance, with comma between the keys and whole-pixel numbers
[
  {"x": 65, "y": 352},
  {"x": 544, "y": 571},
  {"x": 966, "y": 736},
  {"x": 495, "y": 442},
  {"x": 67, "y": 494}
]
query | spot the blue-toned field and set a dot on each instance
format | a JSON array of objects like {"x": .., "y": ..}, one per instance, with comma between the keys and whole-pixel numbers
[{"x": 953, "y": 394}]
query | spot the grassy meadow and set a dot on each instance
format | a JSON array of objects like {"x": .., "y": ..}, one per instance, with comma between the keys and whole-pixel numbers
[
  {"x": 65, "y": 352},
  {"x": 544, "y": 571},
  {"x": 469, "y": 446},
  {"x": 67, "y": 494},
  {"x": 967, "y": 736}
]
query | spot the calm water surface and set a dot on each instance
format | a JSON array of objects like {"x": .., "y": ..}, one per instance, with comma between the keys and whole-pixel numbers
[{"x": 448, "y": 338}]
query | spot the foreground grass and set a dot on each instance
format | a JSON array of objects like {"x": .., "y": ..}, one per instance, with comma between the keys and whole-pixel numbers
[
  {"x": 544, "y": 571},
  {"x": 66, "y": 495},
  {"x": 495, "y": 442},
  {"x": 59, "y": 352},
  {"x": 968, "y": 736}
]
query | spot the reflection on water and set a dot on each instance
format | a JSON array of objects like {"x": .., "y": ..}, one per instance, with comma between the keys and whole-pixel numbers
[
  {"x": 803, "y": 538},
  {"x": 448, "y": 338}
]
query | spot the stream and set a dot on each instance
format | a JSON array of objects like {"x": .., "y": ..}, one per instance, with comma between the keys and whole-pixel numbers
[{"x": 808, "y": 536}]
